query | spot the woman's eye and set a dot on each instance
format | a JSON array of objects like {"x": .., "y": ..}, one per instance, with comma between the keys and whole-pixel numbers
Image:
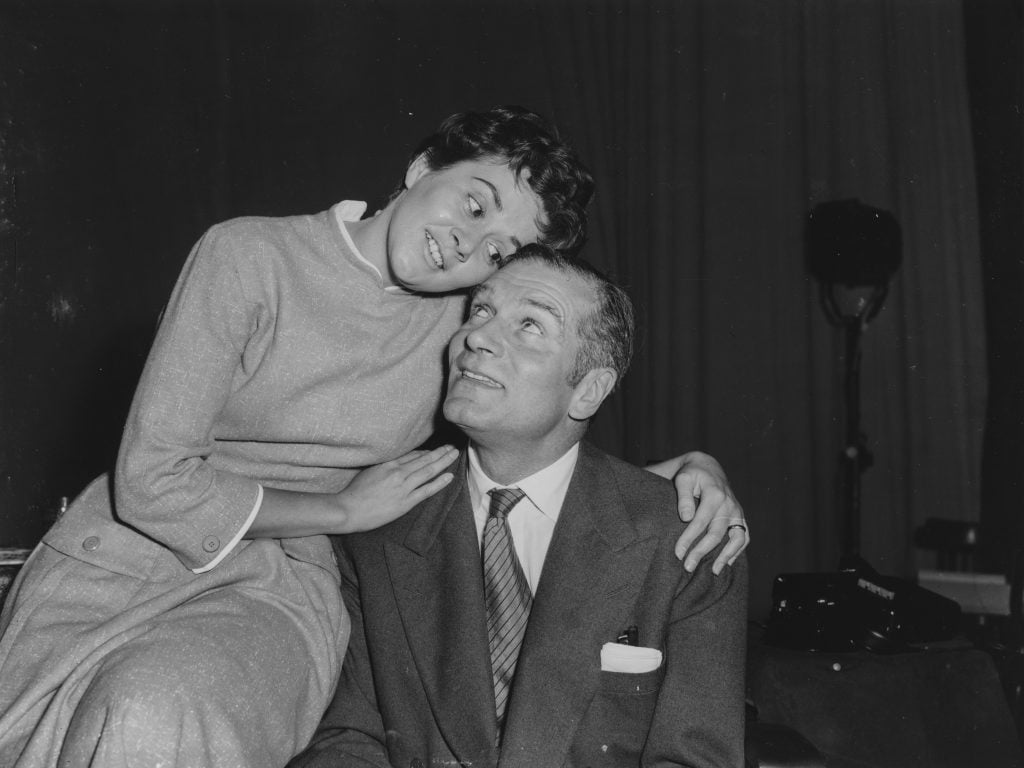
[
  {"x": 493, "y": 253},
  {"x": 475, "y": 209},
  {"x": 531, "y": 325}
]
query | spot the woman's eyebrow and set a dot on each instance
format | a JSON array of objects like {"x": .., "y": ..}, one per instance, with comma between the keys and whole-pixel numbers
[
  {"x": 494, "y": 192},
  {"x": 516, "y": 242}
]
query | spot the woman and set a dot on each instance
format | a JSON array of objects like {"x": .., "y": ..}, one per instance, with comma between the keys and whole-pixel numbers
[{"x": 188, "y": 612}]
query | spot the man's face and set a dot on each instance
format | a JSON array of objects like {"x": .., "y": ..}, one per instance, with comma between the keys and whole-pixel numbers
[
  {"x": 511, "y": 360},
  {"x": 451, "y": 229}
]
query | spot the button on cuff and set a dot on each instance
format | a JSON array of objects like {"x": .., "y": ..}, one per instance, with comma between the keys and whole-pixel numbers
[{"x": 211, "y": 544}]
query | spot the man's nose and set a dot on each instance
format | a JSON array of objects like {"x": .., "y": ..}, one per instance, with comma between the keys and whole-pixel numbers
[{"x": 484, "y": 338}]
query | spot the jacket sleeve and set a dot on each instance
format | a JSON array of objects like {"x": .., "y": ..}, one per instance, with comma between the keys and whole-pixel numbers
[
  {"x": 351, "y": 732},
  {"x": 699, "y": 715},
  {"x": 164, "y": 485}
]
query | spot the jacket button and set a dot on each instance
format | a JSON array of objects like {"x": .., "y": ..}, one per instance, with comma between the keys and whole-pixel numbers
[
  {"x": 415, "y": 763},
  {"x": 91, "y": 543},
  {"x": 211, "y": 543}
]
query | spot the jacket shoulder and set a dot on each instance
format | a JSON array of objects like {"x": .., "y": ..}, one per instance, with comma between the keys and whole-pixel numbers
[{"x": 645, "y": 494}]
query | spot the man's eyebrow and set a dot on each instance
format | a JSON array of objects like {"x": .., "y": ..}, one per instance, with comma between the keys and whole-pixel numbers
[
  {"x": 478, "y": 290},
  {"x": 550, "y": 309}
]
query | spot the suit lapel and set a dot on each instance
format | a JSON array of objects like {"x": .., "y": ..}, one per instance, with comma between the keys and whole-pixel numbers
[
  {"x": 591, "y": 577},
  {"x": 438, "y": 585}
]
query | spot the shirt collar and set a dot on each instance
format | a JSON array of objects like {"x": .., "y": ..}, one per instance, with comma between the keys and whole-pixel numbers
[
  {"x": 546, "y": 489},
  {"x": 353, "y": 210}
]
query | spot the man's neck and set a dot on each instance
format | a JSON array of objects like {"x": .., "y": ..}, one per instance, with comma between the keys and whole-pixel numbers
[{"x": 507, "y": 467}]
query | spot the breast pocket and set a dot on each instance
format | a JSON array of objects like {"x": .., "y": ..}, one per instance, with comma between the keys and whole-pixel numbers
[
  {"x": 615, "y": 728},
  {"x": 630, "y": 684}
]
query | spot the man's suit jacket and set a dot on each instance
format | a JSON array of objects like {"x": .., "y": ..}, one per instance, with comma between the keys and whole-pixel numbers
[{"x": 416, "y": 687}]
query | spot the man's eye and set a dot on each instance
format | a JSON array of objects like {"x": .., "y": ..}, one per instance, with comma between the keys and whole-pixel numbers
[
  {"x": 478, "y": 310},
  {"x": 493, "y": 253},
  {"x": 475, "y": 209}
]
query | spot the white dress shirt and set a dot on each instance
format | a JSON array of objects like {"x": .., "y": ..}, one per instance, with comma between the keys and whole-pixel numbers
[{"x": 532, "y": 520}]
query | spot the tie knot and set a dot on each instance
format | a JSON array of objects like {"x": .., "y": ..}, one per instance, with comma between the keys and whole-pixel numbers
[{"x": 503, "y": 499}]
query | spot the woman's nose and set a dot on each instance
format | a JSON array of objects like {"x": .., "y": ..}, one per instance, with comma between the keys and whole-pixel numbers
[{"x": 465, "y": 241}]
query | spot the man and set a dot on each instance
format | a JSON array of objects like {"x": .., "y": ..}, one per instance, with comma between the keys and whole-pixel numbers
[{"x": 590, "y": 645}]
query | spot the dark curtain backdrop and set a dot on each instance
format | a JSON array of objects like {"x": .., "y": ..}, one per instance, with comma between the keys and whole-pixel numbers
[
  {"x": 995, "y": 56},
  {"x": 712, "y": 128}
]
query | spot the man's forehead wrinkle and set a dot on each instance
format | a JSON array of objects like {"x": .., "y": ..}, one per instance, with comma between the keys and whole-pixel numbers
[{"x": 523, "y": 291}]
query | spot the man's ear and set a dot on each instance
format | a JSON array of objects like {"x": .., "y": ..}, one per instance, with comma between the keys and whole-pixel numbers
[
  {"x": 417, "y": 169},
  {"x": 588, "y": 395}
]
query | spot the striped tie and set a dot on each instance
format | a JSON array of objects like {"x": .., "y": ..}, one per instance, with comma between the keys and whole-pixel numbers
[{"x": 507, "y": 594}]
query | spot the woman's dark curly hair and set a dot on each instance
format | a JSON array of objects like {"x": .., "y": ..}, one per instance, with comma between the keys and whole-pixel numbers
[{"x": 528, "y": 143}]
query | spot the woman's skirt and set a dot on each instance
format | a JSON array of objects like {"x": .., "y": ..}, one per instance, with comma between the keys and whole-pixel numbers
[{"x": 112, "y": 653}]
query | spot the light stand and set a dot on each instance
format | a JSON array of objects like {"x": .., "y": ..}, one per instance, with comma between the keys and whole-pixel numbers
[{"x": 852, "y": 251}]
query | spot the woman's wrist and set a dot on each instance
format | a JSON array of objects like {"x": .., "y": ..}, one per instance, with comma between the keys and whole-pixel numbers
[{"x": 293, "y": 514}]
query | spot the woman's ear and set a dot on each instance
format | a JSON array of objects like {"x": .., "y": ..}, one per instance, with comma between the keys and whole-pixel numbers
[
  {"x": 592, "y": 390},
  {"x": 417, "y": 169}
]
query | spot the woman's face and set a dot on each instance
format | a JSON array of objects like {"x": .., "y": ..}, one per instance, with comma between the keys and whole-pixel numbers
[{"x": 451, "y": 229}]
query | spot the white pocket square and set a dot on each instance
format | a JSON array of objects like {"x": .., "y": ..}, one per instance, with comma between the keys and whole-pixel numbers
[{"x": 616, "y": 657}]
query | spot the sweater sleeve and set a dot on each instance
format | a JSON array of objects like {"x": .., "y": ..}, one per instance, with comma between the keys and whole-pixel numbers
[{"x": 165, "y": 485}]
